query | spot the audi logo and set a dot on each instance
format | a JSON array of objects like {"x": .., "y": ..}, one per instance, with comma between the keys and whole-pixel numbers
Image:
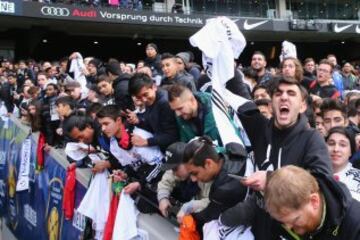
[{"x": 55, "y": 11}]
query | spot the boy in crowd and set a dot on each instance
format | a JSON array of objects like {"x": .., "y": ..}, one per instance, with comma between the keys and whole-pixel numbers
[
  {"x": 323, "y": 86},
  {"x": 260, "y": 91},
  {"x": 264, "y": 106},
  {"x": 333, "y": 113},
  {"x": 319, "y": 125},
  {"x": 73, "y": 88},
  {"x": 65, "y": 106},
  {"x": 157, "y": 119},
  {"x": 106, "y": 90},
  {"x": 205, "y": 165},
  {"x": 172, "y": 75},
  {"x": 42, "y": 81},
  {"x": 353, "y": 116},
  {"x": 82, "y": 129},
  {"x": 177, "y": 184},
  {"x": 141, "y": 165},
  {"x": 258, "y": 64}
]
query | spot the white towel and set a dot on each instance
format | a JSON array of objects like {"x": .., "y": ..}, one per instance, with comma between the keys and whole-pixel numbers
[
  {"x": 76, "y": 66},
  {"x": 96, "y": 203},
  {"x": 75, "y": 150},
  {"x": 221, "y": 42},
  {"x": 136, "y": 155},
  {"x": 125, "y": 227},
  {"x": 288, "y": 50}
]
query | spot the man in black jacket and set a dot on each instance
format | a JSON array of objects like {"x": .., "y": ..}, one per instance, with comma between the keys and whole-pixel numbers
[
  {"x": 50, "y": 116},
  {"x": 153, "y": 59},
  {"x": 310, "y": 207},
  {"x": 158, "y": 118},
  {"x": 205, "y": 165},
  {"x": 286, "y": 139}
]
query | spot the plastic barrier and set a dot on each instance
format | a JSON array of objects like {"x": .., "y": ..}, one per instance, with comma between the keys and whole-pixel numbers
[{"x": 36, "y": 213}]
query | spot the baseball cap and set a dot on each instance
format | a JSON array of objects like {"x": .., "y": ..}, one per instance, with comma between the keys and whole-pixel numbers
[{"x": 173, "y": 155}]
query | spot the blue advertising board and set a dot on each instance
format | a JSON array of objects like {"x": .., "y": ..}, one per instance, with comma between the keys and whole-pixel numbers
[{"x": 35, "y": 213}]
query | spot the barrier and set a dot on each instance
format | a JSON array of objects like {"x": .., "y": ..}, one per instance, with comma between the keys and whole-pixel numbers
[{"x": 37, "y": 213}]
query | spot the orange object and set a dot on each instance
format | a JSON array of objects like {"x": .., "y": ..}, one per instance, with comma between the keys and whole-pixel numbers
[{"x": 188, "y": 229}]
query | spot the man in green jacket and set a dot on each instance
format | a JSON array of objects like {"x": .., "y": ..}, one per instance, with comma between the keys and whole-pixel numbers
[{"x": 194, "y": 114}]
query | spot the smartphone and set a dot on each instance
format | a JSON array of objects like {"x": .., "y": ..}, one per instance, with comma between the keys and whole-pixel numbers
[{"x": 237, "y": 177}]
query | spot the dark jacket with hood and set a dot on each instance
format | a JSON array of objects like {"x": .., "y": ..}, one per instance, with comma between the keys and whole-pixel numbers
[{"x": 297, "y": 145}]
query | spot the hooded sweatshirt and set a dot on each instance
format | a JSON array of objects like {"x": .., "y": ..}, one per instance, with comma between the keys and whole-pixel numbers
[
  {"x": 297, "y": 145},
  {"x": 273, "y": 148}
]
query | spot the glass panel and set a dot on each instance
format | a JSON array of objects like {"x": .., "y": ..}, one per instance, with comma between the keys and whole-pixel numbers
[
  {"x": 245, "y": 8},
  {"x": 325, "y": 9}
]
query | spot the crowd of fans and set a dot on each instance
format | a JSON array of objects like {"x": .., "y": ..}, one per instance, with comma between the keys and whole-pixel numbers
[{"x": 154, "y": 126}]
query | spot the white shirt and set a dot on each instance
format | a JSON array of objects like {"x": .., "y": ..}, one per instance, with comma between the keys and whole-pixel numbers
[{"x": 350, "y": 176}]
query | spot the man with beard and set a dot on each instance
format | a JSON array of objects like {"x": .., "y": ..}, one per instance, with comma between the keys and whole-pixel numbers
[
  {"x": 194, "y": 115},
  {"x": 310, "y": 207},
  {"x": 286, "y": 140},
  {"x": 258, "y": 63}
]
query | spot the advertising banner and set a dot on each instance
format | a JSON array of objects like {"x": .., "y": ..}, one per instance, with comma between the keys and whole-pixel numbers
[
  {"x": 35, "y": 212},
  {"x": 11, "y": 7},
  {"x": 123, "y": 16}
]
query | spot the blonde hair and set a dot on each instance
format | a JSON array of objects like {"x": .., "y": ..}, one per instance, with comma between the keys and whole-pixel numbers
[{"x": 289, "y": 187}]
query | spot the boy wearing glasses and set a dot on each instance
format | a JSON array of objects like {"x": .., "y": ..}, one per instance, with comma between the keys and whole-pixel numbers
[{"x": 323, "y": 87}]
